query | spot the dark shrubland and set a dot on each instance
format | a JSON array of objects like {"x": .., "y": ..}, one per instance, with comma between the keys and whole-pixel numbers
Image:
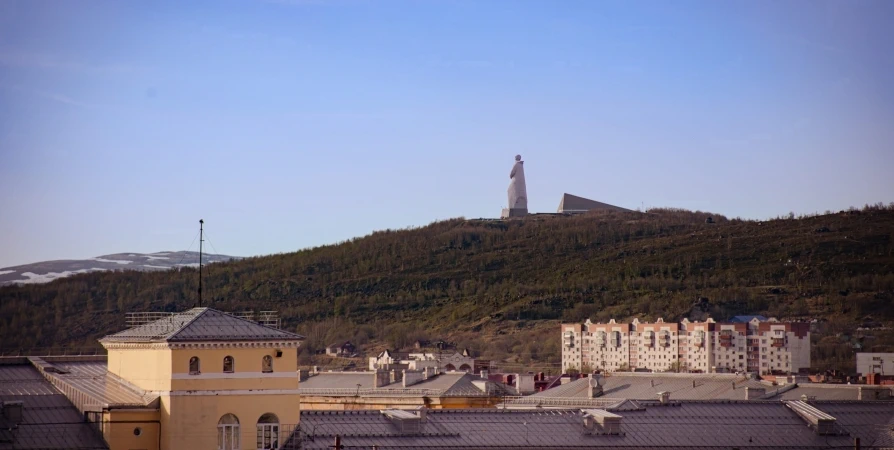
[{"x": 499, "y": 287}]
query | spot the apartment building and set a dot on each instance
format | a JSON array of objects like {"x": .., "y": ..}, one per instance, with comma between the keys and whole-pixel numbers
[{"x": 760, "y": 345}]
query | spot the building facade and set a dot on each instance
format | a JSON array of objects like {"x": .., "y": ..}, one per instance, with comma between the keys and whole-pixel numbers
[
  {"x": 880, "y": 363},
  {"x": 760, "y": 346},
  {"x": 214, "y": 381}
]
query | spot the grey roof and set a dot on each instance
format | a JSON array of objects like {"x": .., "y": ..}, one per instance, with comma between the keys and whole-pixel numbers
[
  {"x": 746, "y": 319},
  {"x": 201, "y": 324},
  {"x": 647, "y": 387},
  {"x": 50, "y": 421},
  {"x": 574, "y": 203},
  {"x": 95, "y": 383},
  {"x": 690, "y": 425},
  {"x": 820, "y": 392},
  {"x": 450, "y": 384}
]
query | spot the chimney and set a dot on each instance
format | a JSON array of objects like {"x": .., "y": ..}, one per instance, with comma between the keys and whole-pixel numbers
[
  {"x": 594, "y": 390},
  {"x": 380, "y": 378},
  {"x": 411, "y": 377},
  {"x": 664, "y": 397},
  {"x": 302, "y": 375},
  {"x": 754, "y": 393},
  {"x": 600, "y": 421},
  {"x": 12, "y": 411},
  {"x": 484, "y": 374},
  {"x": 422, "y": 412},
  {"x": 316, "y": 369}
]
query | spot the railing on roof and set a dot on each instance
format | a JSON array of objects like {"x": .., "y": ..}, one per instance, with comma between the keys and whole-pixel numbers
[
  {"x": 511, "y": 401},
  {"x": 55, "y": 351},
  {"x": 267, "y": 318},
  {"x": 135, "y": 319},
  {"x": 368, "y": 392}
]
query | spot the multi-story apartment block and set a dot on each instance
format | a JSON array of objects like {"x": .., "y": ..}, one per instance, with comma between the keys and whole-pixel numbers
[{"x": 760, "y": 346}]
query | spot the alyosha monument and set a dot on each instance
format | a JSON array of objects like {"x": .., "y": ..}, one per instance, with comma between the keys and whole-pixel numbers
[{"x": 518, "y": 193}]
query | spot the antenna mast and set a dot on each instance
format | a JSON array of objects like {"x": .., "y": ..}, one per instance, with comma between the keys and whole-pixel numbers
[{"x": 201, "y": 239}]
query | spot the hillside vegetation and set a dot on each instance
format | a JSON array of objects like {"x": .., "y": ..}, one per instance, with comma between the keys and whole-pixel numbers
[{"x": 500, "y": 287}]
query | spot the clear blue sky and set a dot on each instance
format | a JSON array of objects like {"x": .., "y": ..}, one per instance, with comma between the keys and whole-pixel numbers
[{"x": 288, "y": 124}]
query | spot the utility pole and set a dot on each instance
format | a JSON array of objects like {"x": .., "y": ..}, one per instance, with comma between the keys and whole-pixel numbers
[{"x": 201, "y": 240}]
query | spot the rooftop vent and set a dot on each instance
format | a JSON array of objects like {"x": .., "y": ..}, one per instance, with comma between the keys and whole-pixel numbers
[
  {"x": 406, "y": 422},
  {"x": 822, "y": 423},
  {"x": 664, "y": 397},
  {"x": 600, "y": 421},
  {"x": 12, "y": 411}
]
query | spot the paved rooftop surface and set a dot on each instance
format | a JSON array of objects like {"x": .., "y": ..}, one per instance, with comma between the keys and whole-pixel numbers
[
  {"x": 750, "y": 425},
  {"x": 201, "y": 324},
  {"x": 696, "y": 387},
  {"x": 50, "y": 421}
]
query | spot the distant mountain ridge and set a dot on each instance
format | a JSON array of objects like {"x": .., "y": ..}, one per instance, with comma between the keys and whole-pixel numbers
[{"x": 46, "y": 271}]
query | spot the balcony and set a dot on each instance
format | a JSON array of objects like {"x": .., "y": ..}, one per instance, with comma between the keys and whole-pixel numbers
[{"x": 778, "y": 342}]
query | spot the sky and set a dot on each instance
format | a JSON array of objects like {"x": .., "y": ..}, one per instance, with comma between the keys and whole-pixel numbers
[{"x": 295, "y": 123}]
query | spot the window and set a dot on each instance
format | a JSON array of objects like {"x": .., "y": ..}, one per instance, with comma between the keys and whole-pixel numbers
[
  {"x": 268, "y": 432},
  {"x": 228, "y": 364},
  {"x": 228, "y": 433},
  {"x": 194, "y": 366},
  {"x": 267, "y": 364}
]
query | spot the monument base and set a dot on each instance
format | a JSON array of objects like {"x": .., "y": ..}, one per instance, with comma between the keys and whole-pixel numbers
[{"x": 513, "y": 212}]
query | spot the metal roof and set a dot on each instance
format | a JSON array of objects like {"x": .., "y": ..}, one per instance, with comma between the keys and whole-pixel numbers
[
  {"x": 49, "y": 420},
  {"x": 647, "y": 387},
  {"x": 93, "y": 380},
  {"x": 450, "y": 384},
  {"x": 750, "y": 425},
  {"x": 746, "y": 319},
  {"x": 820, "y": 392},
  {"x": 201, "y": 324}
]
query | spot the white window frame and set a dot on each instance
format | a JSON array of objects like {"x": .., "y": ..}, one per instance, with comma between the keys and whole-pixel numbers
[
  {"x": 268, "y": 433},
  {"x": 228, "y": 436}
]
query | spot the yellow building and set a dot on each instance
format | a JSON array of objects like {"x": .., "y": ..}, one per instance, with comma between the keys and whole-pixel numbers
[{"x": 200, "y": 379}]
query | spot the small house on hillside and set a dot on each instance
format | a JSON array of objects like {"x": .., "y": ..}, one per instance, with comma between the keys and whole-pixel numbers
[{"x": 344, "y": 349}]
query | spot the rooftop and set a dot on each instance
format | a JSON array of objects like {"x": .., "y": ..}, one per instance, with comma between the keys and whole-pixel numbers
[
  {"x": 201, "y": 324},
  {"x": 450, "y": 384},
  {"x": 49, "y": 420},
  {"x": 92, "y": 385},
  {"x": 687, "y": 386},
  {"x": 705, "y": 424}
]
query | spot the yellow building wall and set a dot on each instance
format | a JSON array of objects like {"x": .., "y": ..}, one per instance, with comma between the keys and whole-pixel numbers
[
  {"x": 118, "y": 429},
  {"x": 148, "y": 369},
  {"x": 247, "y": 369},
  {"x": 191, "y": 405},
  {"x": 190, "y": 421}
]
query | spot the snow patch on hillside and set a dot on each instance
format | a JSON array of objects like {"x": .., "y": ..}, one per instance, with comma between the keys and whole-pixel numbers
[
  {"x": 50, "y": 276},
  {"x": 116, "y": 261}
]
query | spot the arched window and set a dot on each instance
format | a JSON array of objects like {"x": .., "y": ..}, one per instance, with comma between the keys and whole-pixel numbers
[
  {"x": 267, "y": 364},
  {"x": 194, "y": 367},
  {"x": 465, "y": 368},
  {"x": 449, "y": 367},
  {"x": 228, "y": 364},
  {"x": 228, "y": 433},
  {"x": 268, "y": 432}
]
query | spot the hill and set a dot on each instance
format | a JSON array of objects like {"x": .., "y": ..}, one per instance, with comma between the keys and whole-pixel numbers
[
  {"x": 500, "y": 287},
  {"x": 46, "y": 271}
]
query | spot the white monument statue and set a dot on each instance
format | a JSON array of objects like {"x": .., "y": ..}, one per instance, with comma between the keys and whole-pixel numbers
[{"x": 518, "y": 194}]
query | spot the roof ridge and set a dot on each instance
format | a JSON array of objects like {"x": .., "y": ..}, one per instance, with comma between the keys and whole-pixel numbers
[
  {"x": 183, "y": 327},
  {"x": 251, "y": 321}
]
